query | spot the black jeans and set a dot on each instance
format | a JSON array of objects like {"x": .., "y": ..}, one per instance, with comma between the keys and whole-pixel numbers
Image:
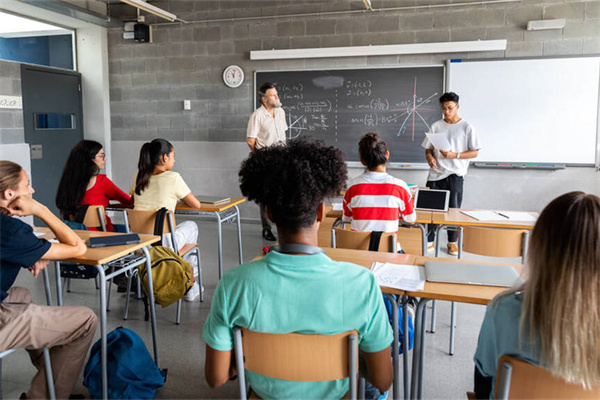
[{"x": 454, "y": 184}]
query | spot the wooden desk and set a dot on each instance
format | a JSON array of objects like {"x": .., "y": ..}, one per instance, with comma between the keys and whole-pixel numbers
[
  {"x": 99, "y": 258},
  {"x": 423, "y": 218},
  {"x": 474, "y": 294},
  {"x": 223, "y": 212},
  {"x": 455, "y": 217}
]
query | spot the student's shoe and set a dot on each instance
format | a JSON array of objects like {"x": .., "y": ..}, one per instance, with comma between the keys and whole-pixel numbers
[
  {"x": 430, "y": 246},
  {"x": 193, "y": 293},
  {"x": 452, "y": 249},
  {"x": 268, "y": 235},
  {"x": 383, "y": 396}
]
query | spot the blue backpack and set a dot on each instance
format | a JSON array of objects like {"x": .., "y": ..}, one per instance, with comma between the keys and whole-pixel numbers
[
  {"x": 132, "y": 373},
  {"x": 411, "y": 329}
]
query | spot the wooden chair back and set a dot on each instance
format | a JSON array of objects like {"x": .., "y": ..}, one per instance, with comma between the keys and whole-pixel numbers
[
  {"x": 495, "y": 242},
  {"x": 411, "y": 240},
  {"x": 356, "y": 240},
  {"x": 143, "y": 221},
  {"x": 298, "y": 357},
  {"x": 518, "y": 379},
  {"x": 95, "y": 217}
]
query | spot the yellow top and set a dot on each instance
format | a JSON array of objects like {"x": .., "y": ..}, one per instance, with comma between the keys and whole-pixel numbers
[{"x": 163, "y": 190}]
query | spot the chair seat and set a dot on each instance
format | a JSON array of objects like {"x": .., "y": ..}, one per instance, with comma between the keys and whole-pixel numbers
[{"x": 187, "y": 248}]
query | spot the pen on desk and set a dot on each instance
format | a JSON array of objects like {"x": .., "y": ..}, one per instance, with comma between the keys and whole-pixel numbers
[{"x": 503, "y": 215}]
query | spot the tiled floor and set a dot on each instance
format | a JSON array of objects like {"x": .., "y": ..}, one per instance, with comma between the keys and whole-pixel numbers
[{"x": 182, "y": 349}]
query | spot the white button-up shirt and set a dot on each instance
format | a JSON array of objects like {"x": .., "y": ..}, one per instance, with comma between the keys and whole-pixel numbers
[{"x": 267, "y": 129}]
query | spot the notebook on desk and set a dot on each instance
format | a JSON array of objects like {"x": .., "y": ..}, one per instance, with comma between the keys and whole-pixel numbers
[
  {"x": 472, "y": 274},
  {"x": 432, "y": 200},
  {"x": 116, "y": 240},
  {"x": 212, "y": 199}
]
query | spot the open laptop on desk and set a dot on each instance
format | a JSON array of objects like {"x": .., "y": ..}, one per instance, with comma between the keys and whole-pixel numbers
[
  {"x": 432, "y": 200},
  {"x": 471, "y": 274}
]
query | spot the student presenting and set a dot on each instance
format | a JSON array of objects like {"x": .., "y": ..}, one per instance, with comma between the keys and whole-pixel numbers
[
  {"x": 66, "y": 331},
  {"x": 448, "y": 167},
  {"x": 297, "y": 289}
]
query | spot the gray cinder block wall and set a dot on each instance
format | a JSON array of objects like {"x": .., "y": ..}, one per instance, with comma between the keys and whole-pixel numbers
[{"x": 186, "y": 61}]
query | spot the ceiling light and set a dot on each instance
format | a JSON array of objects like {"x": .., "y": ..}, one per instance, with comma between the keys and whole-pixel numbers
[{"x": 159, "y": 12}]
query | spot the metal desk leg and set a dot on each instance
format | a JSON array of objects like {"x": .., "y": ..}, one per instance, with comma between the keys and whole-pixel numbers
[
  {"x": 437, "y": 254},
  {"x": 47, "y": 287},
  {"x": 59, "y": 297},
  {"x": 405, "y": 344},
  {"x": 152, "y": 305},
  {"x": 423, "y": 229},
  {"x": 103, "y": 352},
  {"x": 395, "y": 346},
  {"x": 220, "y": 244},
  {"x": 239, "y": 232},
  {"x": 419, "y": 348}
]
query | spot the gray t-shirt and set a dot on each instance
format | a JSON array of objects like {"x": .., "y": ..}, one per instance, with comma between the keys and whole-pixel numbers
[{"x": 462, "y": 137}]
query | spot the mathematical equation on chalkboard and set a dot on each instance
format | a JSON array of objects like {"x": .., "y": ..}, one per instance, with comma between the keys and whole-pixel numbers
[
  {"x": 360, "y": 106},
  {"x": 339, "y": 106}
]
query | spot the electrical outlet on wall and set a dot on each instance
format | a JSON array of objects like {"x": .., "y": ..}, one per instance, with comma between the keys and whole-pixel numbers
[{"x": 187, "y": 105}]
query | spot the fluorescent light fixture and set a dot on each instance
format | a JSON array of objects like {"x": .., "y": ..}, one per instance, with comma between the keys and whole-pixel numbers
[
  {"x": 12, "y": 26},
  {"x": 383, "y": 50},
  {"x": 159, "y": 12},
  {"x": 546, "y": 24}
]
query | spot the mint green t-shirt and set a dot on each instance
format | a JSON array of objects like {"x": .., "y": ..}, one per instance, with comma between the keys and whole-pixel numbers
[{"x": 284, "y": 293}]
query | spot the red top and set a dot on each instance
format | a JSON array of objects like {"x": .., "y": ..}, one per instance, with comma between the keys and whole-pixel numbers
[{"x": 102, "y": 193}]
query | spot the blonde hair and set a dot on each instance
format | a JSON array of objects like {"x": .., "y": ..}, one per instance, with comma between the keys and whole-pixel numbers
[
  {"x": 561, "y": 297},
  {"x": 10, "y": 175}
]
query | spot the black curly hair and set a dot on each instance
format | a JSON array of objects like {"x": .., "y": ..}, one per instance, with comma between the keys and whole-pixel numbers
[
  {"x": 293, "y": 179},
  {"x": 372, "y": 150}
]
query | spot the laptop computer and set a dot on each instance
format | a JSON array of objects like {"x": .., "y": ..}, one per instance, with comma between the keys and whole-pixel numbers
[
  {"x": 472, "y": 274},
  {"x": 432, "y": 200},
  {"x": 116, "y": 240}
]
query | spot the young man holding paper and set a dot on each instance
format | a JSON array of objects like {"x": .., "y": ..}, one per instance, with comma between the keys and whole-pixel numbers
[{"x": 449, "y": 165}]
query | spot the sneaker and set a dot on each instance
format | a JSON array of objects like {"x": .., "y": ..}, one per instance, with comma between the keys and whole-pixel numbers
[
  {"x": 452, "y": 249},
  {"x": 193, "y": 293},
  {"x": 430, "y": 246},
  {"x": 383, "y": 396}
]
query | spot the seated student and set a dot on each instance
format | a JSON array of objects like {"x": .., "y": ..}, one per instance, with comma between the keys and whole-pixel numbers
[
  {"x": 376, "y": 200},
  {"x": 553, "y": 319},
  {"x": 66, "y": 331},
  {"x": 297, "y": 290},
  {"x": 82, "y": 184},
  {"x": 156, "y": 186}
]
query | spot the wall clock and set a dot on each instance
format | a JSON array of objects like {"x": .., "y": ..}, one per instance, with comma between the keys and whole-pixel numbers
[{"x": 233, "y": 76}]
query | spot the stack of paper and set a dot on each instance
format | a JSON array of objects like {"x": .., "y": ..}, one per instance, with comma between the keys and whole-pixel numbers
[{"x": 397, "y": 276}]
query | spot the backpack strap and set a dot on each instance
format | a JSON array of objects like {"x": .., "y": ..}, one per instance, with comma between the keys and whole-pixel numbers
[
  {"x": 159, "y": 225},
  {"x": 374, "y": 240}
]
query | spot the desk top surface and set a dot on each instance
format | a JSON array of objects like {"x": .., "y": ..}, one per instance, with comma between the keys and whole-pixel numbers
[
  {"x": 475, "y": 294},
  {"x": 102, "y": 255},
  {"x": 454, "y": 216},
  {"x": 423, "y": 217},
  {"x": 218, "y": 207}
]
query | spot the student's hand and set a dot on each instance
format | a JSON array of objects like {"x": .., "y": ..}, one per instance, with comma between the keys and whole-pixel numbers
[
  {"x": 23, "y": 206},
  {"x": 432, "y": 162},
  {"x": 36, "y": 268}
]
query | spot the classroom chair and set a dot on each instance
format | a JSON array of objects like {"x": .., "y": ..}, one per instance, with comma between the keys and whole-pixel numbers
[
  {"x": 490, "y": 242},
  {"x": 143, "y": 222},
  {"x": 297, "y": 357},
  {"x": 47, "y": 364},
  {"x": 518, "y": 379},
  {"x": 356, "y": 240}
]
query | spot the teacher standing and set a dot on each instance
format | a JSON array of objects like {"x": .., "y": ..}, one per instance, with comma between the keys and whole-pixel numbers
[
  {"x": 449, "y": 167},
  {"x": 266, "y": 128}
]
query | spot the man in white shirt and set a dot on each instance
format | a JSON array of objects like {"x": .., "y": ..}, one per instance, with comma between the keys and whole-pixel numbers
[
  {"x": 266, "y": 127},
  {"x": 448, "y": 167}
]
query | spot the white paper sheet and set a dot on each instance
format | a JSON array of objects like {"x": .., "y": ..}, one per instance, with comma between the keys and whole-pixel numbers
[
  {"x": 38, "y": 234},
  {"x": 337, "y": 207},
  {"x": 439, "y": 141},
  {"x": 518, "y": 216},
  {"x": 398, "y": 276},
  {"x": 485, "y": 215}
]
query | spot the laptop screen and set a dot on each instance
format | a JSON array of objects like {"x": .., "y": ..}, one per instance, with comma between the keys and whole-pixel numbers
[{"x": 431, "y": 199}]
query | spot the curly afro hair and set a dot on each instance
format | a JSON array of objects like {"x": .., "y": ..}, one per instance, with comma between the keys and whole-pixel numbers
[{"x": 293, "y": 179}]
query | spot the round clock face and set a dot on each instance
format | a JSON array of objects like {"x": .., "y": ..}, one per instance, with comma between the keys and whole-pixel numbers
[{"x": 233, "y": 76}]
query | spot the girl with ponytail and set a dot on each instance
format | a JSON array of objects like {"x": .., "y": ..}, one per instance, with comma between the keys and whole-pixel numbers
[{"x": 156, "y": 186}]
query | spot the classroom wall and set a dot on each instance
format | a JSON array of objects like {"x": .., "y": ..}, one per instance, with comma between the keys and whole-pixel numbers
[
  {"x": 149, "y": 81},
  {"x": 11, "y": 120}
]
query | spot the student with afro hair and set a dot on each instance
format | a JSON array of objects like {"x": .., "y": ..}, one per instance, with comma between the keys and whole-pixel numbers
[{"x": 296, "y": 287}]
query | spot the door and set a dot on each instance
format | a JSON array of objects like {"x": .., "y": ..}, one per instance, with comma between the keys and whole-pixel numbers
[{"x": 53, "y": 123}]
